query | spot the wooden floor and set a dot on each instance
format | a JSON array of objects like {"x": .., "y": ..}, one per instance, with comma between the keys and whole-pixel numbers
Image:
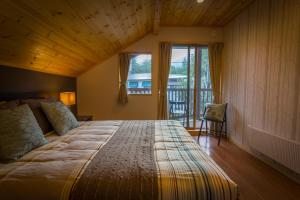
[{"x": 255, "y": 179}]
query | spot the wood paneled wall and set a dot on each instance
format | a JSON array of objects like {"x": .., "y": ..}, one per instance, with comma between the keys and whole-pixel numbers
[{"x": 261, "y": 75}]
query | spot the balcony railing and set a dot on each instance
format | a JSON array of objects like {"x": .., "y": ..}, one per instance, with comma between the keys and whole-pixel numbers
[
  {"x": 179, "y": 101},
  {"x": 139, "y": 90},
  {"x": 178, "y": 96}
]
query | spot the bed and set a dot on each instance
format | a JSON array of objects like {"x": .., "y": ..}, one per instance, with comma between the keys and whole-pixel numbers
[{"x": 117, "y": 160}]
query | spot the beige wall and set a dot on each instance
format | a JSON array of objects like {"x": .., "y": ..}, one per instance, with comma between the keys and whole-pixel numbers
[
  {"x": 98, "y": 87},
  {"x": 262, "y": 70}
]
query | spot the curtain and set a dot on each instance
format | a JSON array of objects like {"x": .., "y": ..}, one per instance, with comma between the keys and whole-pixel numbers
[
  {"x": 215, "y": 65},
  {"x": 165, "y": 51},
  {"x": 124, "y": 59}
]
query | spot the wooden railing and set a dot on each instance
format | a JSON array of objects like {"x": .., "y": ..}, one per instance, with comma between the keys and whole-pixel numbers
[
  {"x": 205, "y": 96},
  {"x": 180, "y": 95},
  {"x": 139, "y": 90}
]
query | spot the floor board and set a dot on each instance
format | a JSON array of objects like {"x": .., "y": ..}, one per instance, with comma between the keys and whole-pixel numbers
[{"x": 255, "y": 179}]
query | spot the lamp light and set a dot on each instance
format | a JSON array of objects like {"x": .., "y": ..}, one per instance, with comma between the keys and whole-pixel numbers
[
  {"x": 68, "y": 98},
  {"x": 200, "y": 1}
]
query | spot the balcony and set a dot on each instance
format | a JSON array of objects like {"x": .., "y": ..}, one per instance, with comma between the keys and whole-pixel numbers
[
  {"x": 182, "y": 111},
  {"x": 179, "y": 108}
]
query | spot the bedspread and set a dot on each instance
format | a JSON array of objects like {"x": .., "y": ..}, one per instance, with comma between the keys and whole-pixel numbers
[{"x": 183, "y": 169}]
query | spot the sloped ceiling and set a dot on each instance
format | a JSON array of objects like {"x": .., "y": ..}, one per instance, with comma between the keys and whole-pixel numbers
[{"x": 67, "y": 37}]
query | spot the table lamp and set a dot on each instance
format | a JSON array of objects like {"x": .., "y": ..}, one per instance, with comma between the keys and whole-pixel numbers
[{"x": 68, "y": 98}]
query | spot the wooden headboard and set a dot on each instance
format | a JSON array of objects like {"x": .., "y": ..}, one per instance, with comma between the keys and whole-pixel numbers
[{"x": 22, "y": 84}]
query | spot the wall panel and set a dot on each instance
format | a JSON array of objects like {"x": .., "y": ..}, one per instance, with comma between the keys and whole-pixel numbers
[{"x": 261, "y": 70}]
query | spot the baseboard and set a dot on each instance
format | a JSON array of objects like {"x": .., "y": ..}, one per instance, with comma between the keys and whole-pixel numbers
[
  {"x": 272, "y": 163},
  {"x": 193, "y": 132}
]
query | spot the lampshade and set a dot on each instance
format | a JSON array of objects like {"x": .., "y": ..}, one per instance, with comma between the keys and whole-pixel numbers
[{"x": 68, "y": 98}]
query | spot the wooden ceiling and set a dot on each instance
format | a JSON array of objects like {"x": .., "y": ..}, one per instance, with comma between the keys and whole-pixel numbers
[
  {"x": 207, "y": 13},
  {"x": 67, "y": 37}
]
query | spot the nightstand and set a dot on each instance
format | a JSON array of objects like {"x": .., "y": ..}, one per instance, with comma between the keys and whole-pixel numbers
[{"x": 85, "y": 117}]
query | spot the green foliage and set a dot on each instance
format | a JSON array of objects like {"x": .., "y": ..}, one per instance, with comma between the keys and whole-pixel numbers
[
  {"x": 182, "y": 69},
  {"x": 205, "y": 76},
  {"x": 179, "y": 69},
  {"x": 140, "y": 68}
]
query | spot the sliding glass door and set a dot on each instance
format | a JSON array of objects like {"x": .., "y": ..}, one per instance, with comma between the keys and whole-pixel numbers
[{"x": 189, "y": 87}]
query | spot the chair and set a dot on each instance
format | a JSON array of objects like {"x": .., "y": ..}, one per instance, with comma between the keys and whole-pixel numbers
[{"x": 214, "y": 113}]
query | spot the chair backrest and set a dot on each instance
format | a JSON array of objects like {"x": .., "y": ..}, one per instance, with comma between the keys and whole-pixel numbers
[{"x": 215, "y": 112}]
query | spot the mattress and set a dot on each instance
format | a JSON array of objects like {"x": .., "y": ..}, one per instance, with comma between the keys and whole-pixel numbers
[{"x": 182, "y": 169}]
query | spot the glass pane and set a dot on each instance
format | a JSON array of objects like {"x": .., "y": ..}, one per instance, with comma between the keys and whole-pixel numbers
[
  {"x": 204, "y": 93},
  {"x": 191, "y": 88},
  {"x": 177, "y": 85},
  {"x": 181, "y": 84},
  {"x": 139, "y": 75}
]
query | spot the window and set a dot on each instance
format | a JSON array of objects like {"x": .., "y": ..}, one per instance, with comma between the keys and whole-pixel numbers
[
  {"x": 189, "y": 85},
  {"x": 139, "y": 76}
]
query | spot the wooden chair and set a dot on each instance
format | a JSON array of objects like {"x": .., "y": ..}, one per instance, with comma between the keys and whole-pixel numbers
[{"x": 214, "y": 113}]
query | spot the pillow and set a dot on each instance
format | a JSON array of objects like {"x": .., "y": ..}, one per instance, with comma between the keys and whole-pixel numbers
[
  {"x": 60, "y": 117},
  {"x": 35, "y": 106},
  {"x": 19, "y": 133},
  {"x": 215, "y": 112},
  {"x": 10, "y": 104}
]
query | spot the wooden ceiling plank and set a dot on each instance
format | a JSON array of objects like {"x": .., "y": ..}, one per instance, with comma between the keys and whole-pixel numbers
[
  {"x": 156, "y": 21},
  {"x": 44, "y": 30},
  {"x": 208, "y": 13},
  {"x": 67, "y": 37},
  {"x": 41, "y": 57},
  {"x": 209, "y": 16},
  {"x": 138, "y": 19},
  {"x": 38, "y": 67},
  {"x": 147, "y": 24},
  {"x": 31, "y": 40},
  {"x": 89, "y": 17},
  {"x": 109, "y": 21},
  {"x": 59, "y": 16},
  {"x": 40, "y": 21},
  {"x": 189, "y": 12},
  {"x": 234, "y": 10},
  {"x": 202, "y": 17}
]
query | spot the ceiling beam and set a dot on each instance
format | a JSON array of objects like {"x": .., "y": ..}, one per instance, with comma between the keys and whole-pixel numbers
[{"x": 156, "y": 21}]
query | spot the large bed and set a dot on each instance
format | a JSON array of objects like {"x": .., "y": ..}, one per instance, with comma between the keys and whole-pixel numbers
[{"x": 117, "y": 160}]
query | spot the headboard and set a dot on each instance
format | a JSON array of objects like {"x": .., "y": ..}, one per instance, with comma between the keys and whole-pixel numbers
[{"x": 22, "y": 84}]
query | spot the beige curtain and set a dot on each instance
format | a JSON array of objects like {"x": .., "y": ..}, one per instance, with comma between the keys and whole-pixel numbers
[
  {"x": 215, "y": 65},
  {"x": 124, "y": 59},
  {"x": 165, "y": 51}
]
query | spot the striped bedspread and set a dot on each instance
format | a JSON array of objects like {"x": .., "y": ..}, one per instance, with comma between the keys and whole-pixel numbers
[
  {"x": 184, "y": 170},
  {"x": 173, "y": 161}
]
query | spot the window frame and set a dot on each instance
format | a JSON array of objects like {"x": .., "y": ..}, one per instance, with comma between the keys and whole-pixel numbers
[
  {"x": 152, "y": 82},
  {"x": 191, "y": 45}
]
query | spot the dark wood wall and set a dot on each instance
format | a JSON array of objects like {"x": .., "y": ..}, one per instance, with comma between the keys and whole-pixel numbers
[{"x": 20, "y": 83}]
